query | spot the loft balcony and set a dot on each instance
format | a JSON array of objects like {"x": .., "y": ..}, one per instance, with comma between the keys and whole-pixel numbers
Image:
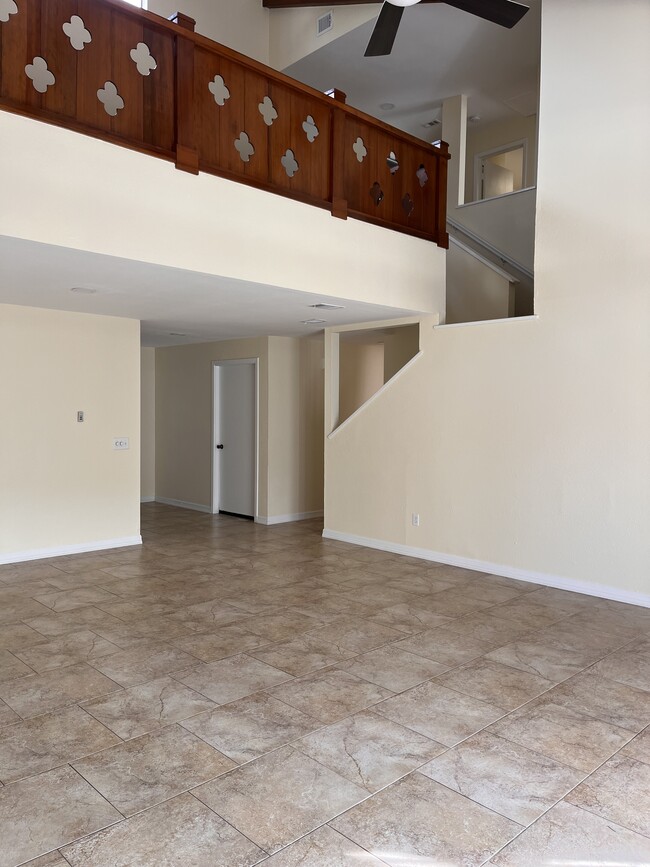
[{"x": 134, "y": 79}]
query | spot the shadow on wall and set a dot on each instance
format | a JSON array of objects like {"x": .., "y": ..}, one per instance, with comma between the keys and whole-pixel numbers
[{"x": 368, "y": 359}]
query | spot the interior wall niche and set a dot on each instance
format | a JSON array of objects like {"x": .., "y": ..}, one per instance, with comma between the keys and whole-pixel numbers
[{"x": 368, "y": 359}]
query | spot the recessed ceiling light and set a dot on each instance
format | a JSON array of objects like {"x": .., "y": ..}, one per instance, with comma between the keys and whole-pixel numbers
[
  {"x": 475, "y": 118},
  {"x": 176, "y": 334},
  {"x": 83, "y": 290},
  {"x": 314, "y": 321},
  {"x": 324, "y": 306},
  {"x": 387, "y": 106}
]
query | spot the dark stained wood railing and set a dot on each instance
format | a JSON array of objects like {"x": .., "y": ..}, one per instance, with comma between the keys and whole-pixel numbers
[{"x": 185, "y": 98}]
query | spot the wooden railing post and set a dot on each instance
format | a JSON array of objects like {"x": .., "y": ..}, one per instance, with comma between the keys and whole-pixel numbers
[
  {"x": 441, "y": 218},
  {"x": 187, "y": 155},
  {"x": 339, "y": 197}
]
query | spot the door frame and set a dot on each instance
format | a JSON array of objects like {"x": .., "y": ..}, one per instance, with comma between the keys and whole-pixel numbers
[{"x": 214, "y": 499}]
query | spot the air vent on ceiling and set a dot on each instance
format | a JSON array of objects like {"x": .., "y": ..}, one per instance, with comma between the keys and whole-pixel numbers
[
  {"x": 431, "y": 123},
  {"x": 324, "y": 23},
  {"x": 322, "y": 305}
]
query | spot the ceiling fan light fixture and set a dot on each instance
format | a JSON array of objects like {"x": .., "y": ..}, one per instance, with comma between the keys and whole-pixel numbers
[{"x": 403, "y": 2}]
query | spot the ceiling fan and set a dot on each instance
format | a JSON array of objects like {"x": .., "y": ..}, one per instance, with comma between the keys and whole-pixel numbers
[{"x": 507, "y": 13}]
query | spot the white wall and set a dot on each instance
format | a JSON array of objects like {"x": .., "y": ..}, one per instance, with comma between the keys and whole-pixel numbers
[
  {"x": 495, "y": 135},
  {"x": 63, "y": 486},
  {"x": 242, "y": 25},
  {"x": 91, "y": 195},
  {"x": 475, "y": 291},
  {"x": 525, "y": 444},
  {"x": 293, "y": 31},
  {"x": 361, "y": 374},
  {"x": 148, "y": 423}
]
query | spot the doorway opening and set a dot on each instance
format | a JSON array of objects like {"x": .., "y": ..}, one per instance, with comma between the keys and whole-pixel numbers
[
  {"x": 235, "y": 437},
  {"x": 500, "y": 171}
]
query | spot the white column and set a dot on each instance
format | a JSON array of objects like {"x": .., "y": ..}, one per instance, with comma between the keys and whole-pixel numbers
[{"x": 454, "y": 131}]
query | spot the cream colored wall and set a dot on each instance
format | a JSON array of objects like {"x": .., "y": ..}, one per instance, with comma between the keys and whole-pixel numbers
[
  {"x": 361, "y": 374},
  {"x": 400, "y": 345},
  {"x": 495, "y": 135},
  {"x": 148, "y": 423},
  {"x": 524, "y": 444},
  {"x": 293, "y": 31},
  {"x": 63, "y": 484},
  {"x": 242, "y": 25},
  {"x": 474, "y": 290},
  {"x": 290, "y": 422},
  {"x": 91, "y": 195}
]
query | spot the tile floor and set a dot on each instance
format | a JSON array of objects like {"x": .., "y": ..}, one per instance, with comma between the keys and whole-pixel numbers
[{"x": 231, "y": 694}]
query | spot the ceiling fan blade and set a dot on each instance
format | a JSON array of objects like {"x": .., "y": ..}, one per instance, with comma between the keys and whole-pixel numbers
[
  {"x": 507, "y": 13},
  {"x": 383, "y": 36}
]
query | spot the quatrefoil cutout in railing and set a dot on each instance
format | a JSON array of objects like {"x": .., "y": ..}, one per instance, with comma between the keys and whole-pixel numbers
[
  {"x": 244, "y": 147},
  {"x": 110, "y": 99},
  {"x": 268, "y": 111},
  {"x": 310, "y": 129},
  {"x": 393, "y": 163},
  {"x": 40, "y": 75},
  {"x": 218, "y": 89},
  {"x": 290, "y": 163},
  {"x": 143, "y": 59},
  {"x": 376, "y": 193},
  {"x": 7, "y": 8},
  {"x": 422, "y": 176},
  {"x": 76, "y": 31},
  {"x": 360, "y": 149},
  {"x": 408, "y": 204}
]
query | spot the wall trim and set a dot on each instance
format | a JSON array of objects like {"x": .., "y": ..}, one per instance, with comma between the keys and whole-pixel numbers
[
  {"x": 66, "y": 550},
  {"x": 285, "y": 519},
  {"x": 147, "y": 499},
  {"x": 182, "y": 504},
  {"x": 573, "y": 585}
]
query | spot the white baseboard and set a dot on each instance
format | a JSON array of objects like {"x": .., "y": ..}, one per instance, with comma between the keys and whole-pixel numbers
[
  {"x": 65, "y": 550},
  {"x": 285, "y": 519},
  {"x": 573, "y": 585},
  {"x": 181, "y": 504},
  {"x": 147, "y": 499}
]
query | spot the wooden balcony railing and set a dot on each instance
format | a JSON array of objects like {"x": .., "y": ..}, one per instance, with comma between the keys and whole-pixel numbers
[{"x": 109, "y": 70}]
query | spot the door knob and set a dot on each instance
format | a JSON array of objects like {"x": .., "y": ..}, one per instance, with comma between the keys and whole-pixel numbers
[{"x": 220, "y": 446}]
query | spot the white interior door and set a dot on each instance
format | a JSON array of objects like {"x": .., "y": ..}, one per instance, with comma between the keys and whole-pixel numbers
[{"x": 235, "y": 440}]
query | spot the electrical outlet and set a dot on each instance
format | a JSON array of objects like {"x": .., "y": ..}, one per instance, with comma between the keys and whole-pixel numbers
[
  {"x": 121, "y": 443},
  {"x": 415, "y": 519}
]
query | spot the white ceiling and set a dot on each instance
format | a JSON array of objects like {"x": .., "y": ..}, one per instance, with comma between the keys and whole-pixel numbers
[
  {"x": 439, "y": 52},
  {"x": 200, "y": 306}
]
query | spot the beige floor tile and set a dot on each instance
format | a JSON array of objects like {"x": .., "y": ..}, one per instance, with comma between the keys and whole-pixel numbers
[
  {"x": 441, "y": 714},
  {"x": 444, "y": 646},
  {"x": 16, "y": 636},
  {"x": 323, "y": 848},
  {"x": 630, "y": 665},
  {"x": 393, "y": 668},
  {"x": 376, "y": 596},
  {"x": 567, "y": 836},
  {"x": 354, "y": 635},
  {"x": 82, "y": 646},
  {"x": 493, "y": 682},
  {"x": 182, "y": 831},
  {"x": 418, "y": 821},
  {"x": 489, "y": 590},
  {"x": 18, "y": 608},
  {"x": 67, "y": 600},
  {"x": 369, "y": 750},
  {"x": 486, "y": 627},
  {"x": 12, "y": 667},
  {"x": 280, "y": 797},
  {"x": 282, "y": 625},
  {"x": 302, "y": 654},
  {"x": 153, "y": 768},
  {"x": 545, "y": 657},
  {"x": 42, "y": 693},
  {"x": 563, "y": 734},
  {"x": 582, "y": 638},
  {"x": 229, "y": 679},
  {"x": 45, "y": 742},
  {"x": 140, "y": 609},
  {"x": 54, "y": 859},
  {"x": 206, "y": 615},
  {"x": 455, "y": 603},
  {"x": 148, "y": 707},
  {"x": 330, "y": 695},
  {"x": 505, "y": 777},
  {"x": 527, "y": 612},
  {"x": 620, "y": 623},
  {"x": 615, "y": 703},
  {"x": 52, "y": 625},
  {"x": 639, "y": 747},
  {"x": 409, "y": 618},
  {"x": 7, "y": 716},
  {"x": 252, "y": 726},
  {"x": 48, "y": 811},
  {"x": 144, "y": 662},
  {"x": 222, "y": 642},
  {"x": 619, "y": 791}
]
